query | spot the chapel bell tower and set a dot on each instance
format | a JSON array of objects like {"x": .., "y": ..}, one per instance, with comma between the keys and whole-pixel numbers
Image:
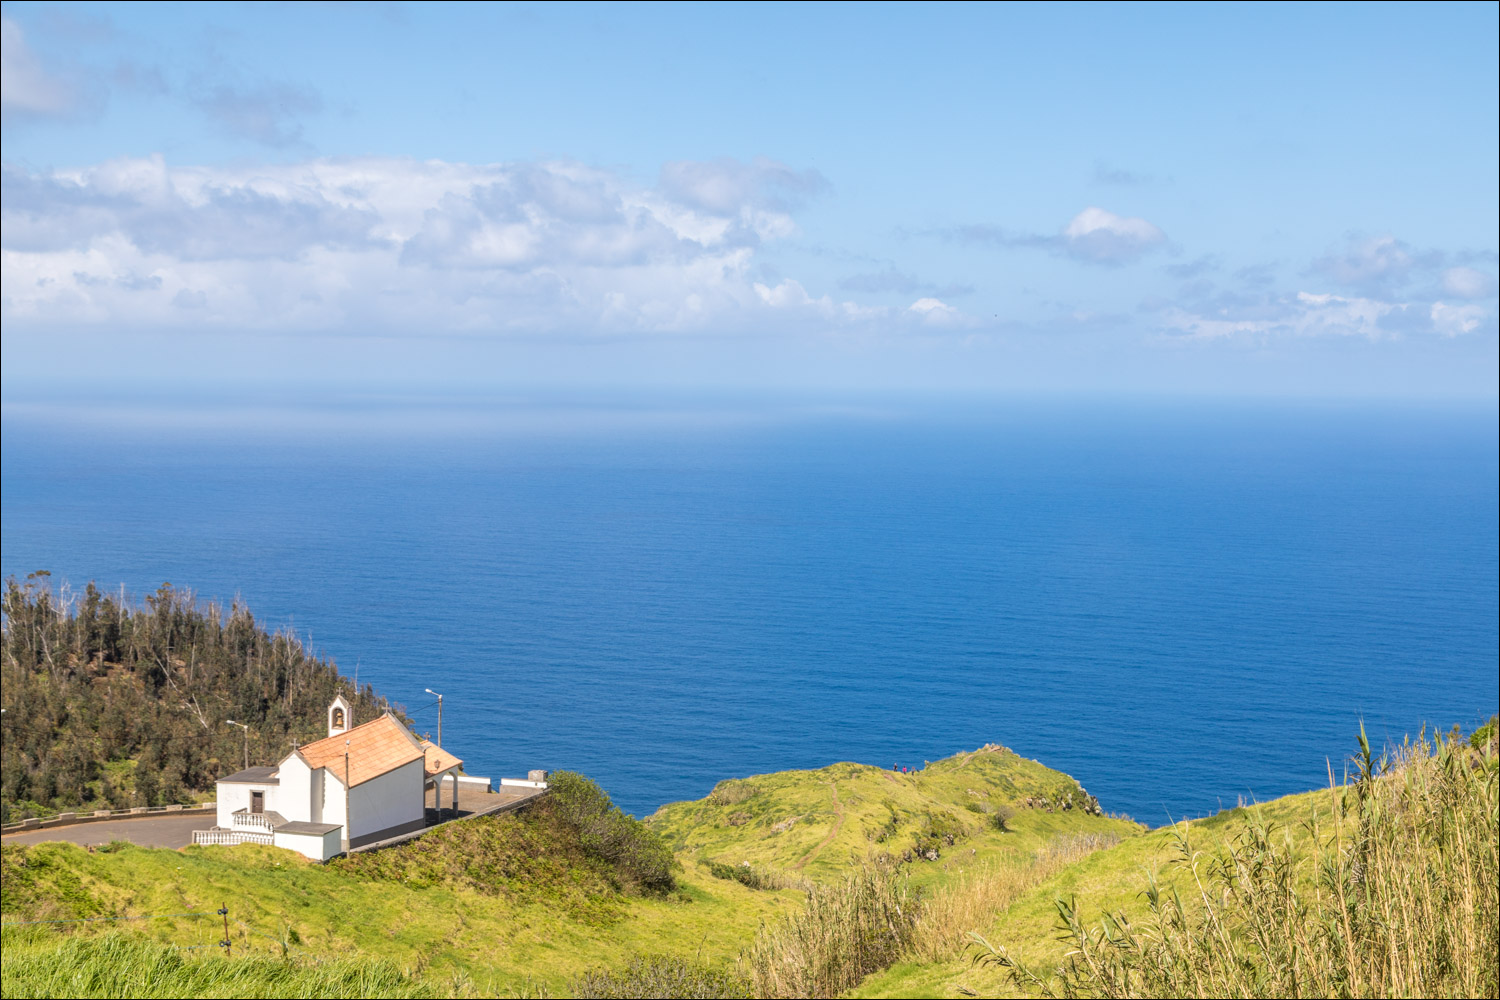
[{"x": 340, "y": 716}]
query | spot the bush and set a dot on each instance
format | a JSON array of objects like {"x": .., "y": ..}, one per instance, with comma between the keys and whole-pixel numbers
[
  {"x": 659, "y": 976},
  {"x": 745, "y": 875},
  {"x": 1001, "y": 818},
  {"x": 939, "y": 829},
  {"x": 1485, "y": 733},
  {"x": 731, "y": 792},
  {"x": 611, "y": 835}
]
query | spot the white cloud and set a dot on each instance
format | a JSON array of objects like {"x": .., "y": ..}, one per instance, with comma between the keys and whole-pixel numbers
[
  {"x": 1305, "y": 315},
  {"x": 1104, "y": 237},
  {"x": 1376, "y": 260},
  {"x": 25, "y": 87},
  {"x": 935, "y": 312},
  {"x": 1468, "y": 283},
  {"x": 396, "y": 245},
  {"x": 1453, "y": 321}
]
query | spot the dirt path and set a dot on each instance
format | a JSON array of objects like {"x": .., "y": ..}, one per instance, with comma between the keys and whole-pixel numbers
[{"x": 838, "y": 824}]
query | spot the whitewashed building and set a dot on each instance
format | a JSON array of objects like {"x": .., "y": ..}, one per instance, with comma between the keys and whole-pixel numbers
[{"x": 360, "y": 785}]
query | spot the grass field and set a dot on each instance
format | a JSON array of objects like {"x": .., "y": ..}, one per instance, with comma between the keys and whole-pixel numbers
[{"x": 796, "y": 883}]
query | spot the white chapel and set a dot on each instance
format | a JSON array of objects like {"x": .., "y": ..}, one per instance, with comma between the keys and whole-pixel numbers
[{"x": 360, "y": 785}]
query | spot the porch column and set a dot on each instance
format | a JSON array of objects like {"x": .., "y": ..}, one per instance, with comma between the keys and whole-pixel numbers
[{"x": 455, "y": 794}]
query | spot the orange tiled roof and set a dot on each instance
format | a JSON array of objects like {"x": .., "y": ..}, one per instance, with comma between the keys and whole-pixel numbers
[
  {"x": 375, "y": 747},
  {"x": 438, "y": 759}
]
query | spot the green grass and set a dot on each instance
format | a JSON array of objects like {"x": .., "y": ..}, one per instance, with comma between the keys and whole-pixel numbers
[
  {"x": 1108, "y": 880},
  {"x": 128, "y": 966},
  {"x": 823, "y": 825},
  {"x": 539, "y": 912},
  {"x": 527, "y": 905}
]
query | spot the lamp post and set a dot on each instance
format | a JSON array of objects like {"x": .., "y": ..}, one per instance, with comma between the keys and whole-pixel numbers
[
  {"x": 247, "y": 739},
  {"x": 440, "y": 715}
]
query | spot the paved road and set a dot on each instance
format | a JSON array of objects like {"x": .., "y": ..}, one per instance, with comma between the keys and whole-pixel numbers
[
  {"x": 145, "y": 831},
  {"x": 177, "y": 831}
]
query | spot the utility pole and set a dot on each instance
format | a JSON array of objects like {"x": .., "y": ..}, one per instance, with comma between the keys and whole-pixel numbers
[
  {"x": 440, "y": 716},
  {"x": 247, "y": 739},
  {"x": 348, "y": 821}
]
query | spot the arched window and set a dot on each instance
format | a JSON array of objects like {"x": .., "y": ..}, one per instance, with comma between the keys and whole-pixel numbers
[{"x": 338, "y": 718}]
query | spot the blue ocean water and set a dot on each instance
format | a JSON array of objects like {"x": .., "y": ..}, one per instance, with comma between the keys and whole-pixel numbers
[{"x": 1179, "y": 605}]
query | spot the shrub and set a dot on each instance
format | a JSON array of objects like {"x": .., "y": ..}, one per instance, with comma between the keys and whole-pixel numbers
[
  {"x": 730, "y": 792},
  {"x": 659, "y": 976},
  {"x": 1001, "y": 818},
  {"x": 611, "y": 835},
  {"x": 938, "y": 830},
  {"x": 745, "y": 875}
]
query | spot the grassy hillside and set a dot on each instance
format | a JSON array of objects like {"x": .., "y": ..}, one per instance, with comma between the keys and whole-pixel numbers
[
  {"x": 944, "y": 819},
  {"x": 798, "y": 884},
  {"x": 1387, "y": 886},
  {"x": 493, "y": 905},
  {"x": 516, "y": 903}
]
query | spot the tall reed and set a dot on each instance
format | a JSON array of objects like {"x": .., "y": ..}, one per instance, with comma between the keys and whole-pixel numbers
[
  {"x": 846, "y": 931},
  {"x": 1397, "y": 895},
  {"x": 950, "y": 916}
]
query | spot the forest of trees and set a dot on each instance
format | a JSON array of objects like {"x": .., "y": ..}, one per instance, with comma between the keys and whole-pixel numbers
[{"x": 110, "y": 705}]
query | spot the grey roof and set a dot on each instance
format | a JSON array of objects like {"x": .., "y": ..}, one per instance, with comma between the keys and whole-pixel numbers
[
  {"x": 317, "y": 829},
  {"x": 254, "y": 776}
]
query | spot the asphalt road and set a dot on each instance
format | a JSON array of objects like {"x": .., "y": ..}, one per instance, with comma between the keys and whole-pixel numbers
[
  {"x": 145, "y": 831},
  {"x": 177, "y": 831}
]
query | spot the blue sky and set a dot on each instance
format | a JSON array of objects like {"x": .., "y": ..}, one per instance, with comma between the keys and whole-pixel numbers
[{"x": 1154, "y": 199}]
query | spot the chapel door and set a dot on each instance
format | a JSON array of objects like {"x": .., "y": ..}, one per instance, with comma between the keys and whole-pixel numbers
[{"x": 257, "y": 802}]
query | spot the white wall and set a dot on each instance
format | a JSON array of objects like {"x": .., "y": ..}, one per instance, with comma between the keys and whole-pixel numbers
[
  {"x": 393, "y": 799},
  {"x": 333, "y": 798},
  {"x": 294, "y": 795},
  {"x": 234, "y": 797},
  {"x": 465, "y": 781},
  {"x": 319, "y": 847},
  {"x": 521, "y": 783}
]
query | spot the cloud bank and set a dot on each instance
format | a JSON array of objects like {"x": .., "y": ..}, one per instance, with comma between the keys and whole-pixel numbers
[
  {"x": 27, "y": 89},
  {"x": 402, "y": 246}
]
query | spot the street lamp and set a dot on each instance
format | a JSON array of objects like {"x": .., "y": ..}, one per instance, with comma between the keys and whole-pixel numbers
[
  {"x": 440, "y": 715},
  {"x": 247, "y": 740}
]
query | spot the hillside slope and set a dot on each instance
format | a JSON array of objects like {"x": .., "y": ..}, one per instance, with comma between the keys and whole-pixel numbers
[{"x": 943, "y": 818}]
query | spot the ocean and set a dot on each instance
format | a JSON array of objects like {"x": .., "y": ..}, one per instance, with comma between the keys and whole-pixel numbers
[{"x": 1181, "y": 604}]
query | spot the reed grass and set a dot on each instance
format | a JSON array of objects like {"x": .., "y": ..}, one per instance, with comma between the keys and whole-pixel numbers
[
  {"x": 118, "y": 965},
  {"x": 1397, "y": 894},
  {"x": 949, "y": 917},
  {"x": 846, "y": 931},
  {"x": 850, "y": 929}
]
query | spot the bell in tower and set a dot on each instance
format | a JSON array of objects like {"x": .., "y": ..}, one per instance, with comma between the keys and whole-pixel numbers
[{"x": 339, "y": 716}]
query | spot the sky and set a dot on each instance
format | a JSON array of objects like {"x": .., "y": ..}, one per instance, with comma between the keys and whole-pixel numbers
[{"x": 1162, "y": 200}]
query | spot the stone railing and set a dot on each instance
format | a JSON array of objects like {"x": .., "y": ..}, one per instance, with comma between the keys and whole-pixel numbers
[
  {"x": 232, "y": 837},
  {"x": 99, "y": 815},
  {"x": 243, "y": 818}
]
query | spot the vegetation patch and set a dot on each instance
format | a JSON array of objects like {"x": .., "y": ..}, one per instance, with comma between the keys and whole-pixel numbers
[
  {"x": 845, "y": 931},
  {"x": 746, "y": 875},
  {"x": 124, "y": 966},
  {"x": 110, "y": 705},
  {"x": 607, "y": 833},
  {"x": 659, "y": 976}
]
